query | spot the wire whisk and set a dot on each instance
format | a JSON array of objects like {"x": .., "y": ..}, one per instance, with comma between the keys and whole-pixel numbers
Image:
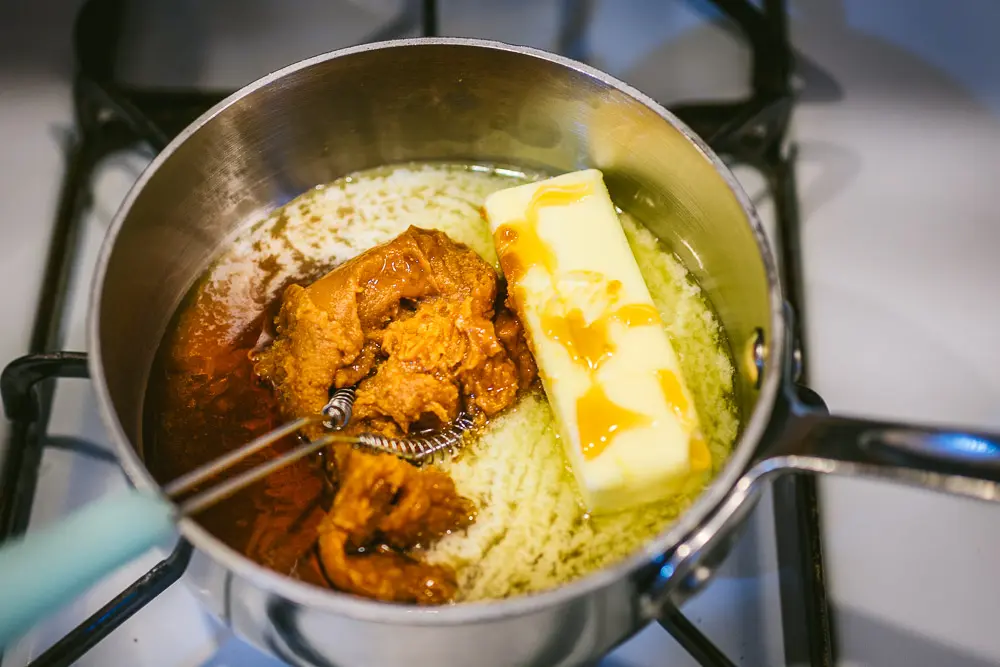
[
  {"x": 420, "y": 449},
  {"x": 335, "y": 415}
]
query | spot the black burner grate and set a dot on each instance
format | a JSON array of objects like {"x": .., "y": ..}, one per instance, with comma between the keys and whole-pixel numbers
[{"x": 111, "y": 116}]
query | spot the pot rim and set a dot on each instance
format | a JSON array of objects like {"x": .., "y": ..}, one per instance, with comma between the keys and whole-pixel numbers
[{"x": 470, "y": 612}]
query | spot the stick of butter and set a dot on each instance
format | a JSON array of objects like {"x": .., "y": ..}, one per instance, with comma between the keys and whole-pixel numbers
[{"x": 625, "y": 414}]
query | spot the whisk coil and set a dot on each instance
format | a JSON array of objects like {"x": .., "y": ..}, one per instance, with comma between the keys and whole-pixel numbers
[{"x": 417, "y": 449}]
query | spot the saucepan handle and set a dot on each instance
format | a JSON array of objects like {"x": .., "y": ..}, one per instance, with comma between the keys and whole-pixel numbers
[
  {"x": 952, "y": 460},
  {"x": 806, "y": 438},
  {"x": 955, "y": 461}
]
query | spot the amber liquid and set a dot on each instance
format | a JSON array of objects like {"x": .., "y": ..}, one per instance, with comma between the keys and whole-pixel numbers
[{"x": 199, "y": 410}]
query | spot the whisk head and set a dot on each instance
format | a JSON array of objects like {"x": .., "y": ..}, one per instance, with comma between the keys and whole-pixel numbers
[
  {"x": 421, "y": 449},
  {"x": 417, "y": 449},
  {"x": 339, "y": 409}
]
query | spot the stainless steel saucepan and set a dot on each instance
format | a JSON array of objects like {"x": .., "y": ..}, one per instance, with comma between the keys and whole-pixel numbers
[{"x": 470, "y": 100}]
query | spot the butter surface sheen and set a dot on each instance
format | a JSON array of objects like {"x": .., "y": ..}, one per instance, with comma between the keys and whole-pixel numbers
[{"x": 626, "y": 417}]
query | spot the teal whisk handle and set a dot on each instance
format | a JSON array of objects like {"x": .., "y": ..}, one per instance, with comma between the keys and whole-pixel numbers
[{"x": 48, "y": 568}]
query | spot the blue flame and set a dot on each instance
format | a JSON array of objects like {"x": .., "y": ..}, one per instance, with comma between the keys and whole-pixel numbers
[{"x": 966, "y": 445}]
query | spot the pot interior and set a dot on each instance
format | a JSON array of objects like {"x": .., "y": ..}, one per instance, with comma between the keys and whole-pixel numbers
[{"x": 437, "y": 100}]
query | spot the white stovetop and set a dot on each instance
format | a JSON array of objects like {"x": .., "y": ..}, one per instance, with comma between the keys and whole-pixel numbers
[{"x": 897, "y": 183}]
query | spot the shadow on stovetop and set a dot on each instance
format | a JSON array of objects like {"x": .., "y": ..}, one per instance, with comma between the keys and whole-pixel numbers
[
  {"x": 888, "y": 69},
  {"x": 889, "y": 646},
  {"x": 236, "y": 653},
  {"x": 956, "y": 39},
  {"x": 92, "y": 450}
]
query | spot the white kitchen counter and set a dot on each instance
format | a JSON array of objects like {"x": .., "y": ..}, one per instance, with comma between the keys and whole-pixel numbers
[{"x": 898, "y": 183}]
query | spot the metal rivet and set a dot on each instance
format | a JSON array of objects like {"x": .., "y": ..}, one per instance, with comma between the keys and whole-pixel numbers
[
  {"x": 758, "y": 355},
  {"x": 797, "y": 362}
]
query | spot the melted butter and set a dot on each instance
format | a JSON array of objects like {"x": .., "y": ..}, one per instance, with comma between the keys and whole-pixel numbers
[
  {"x": 670, "y": 384},
  {"x": 599, "y": 420},
  {"x": 698, "y": 453}
]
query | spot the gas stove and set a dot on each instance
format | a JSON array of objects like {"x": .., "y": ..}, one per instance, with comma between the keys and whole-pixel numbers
[{"x": 766, "y": 606}]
